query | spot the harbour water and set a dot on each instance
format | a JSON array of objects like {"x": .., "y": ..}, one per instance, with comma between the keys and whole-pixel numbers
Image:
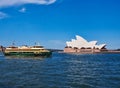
[{"x": 61, "y": 71}]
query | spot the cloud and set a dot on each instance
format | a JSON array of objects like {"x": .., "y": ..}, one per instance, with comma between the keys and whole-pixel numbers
[
  {"x": 3, "y": 15},
  {"x": 23, "y": 10},
  {"x": 58, "y": 44},
  {"x": 6, "y": 3}
]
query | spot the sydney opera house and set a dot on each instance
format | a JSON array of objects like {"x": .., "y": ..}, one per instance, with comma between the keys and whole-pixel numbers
[{"x": 81, "y": 45}]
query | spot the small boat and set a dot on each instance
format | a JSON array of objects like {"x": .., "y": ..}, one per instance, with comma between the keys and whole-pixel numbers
[{"x": 27, "y": 51}]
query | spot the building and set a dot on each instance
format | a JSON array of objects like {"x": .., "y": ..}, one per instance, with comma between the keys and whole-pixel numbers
[
  {"x": 1, "y": 48},
  {"x": 83, "y": 46}
]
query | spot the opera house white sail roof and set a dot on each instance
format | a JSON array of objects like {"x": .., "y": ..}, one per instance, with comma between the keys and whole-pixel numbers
[{"x": 80, "y": 42}]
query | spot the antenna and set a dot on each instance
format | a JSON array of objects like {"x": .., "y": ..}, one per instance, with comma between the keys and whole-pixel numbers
[
  {"x": 13, "y": 43},
  {"x": 35, "y": 43}
]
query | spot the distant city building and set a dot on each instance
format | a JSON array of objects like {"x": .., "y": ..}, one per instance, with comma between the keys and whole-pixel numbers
[{"x": 1, "y": 48}]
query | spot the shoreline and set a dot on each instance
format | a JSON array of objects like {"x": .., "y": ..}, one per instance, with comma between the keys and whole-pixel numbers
[{"x": 90, "y": 51}]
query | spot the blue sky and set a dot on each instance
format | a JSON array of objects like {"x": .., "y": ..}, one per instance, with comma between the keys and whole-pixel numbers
[{"x": 53, "y": 22}]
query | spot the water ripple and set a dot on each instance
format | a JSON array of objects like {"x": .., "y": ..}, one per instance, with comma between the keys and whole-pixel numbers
[{"x": 61, "y": 71}]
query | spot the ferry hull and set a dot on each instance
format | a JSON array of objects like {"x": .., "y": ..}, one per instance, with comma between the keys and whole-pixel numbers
[{"x": 43, "y": 54}]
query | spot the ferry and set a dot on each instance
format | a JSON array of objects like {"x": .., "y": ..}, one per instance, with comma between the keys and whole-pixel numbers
[{"x": 27, "y": 51}]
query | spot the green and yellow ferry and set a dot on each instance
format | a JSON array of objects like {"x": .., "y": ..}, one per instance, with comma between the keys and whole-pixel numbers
[{"x": 27, "y": 51}]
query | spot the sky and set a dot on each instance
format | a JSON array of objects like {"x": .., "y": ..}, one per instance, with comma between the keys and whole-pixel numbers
[{"x": 53, "y": 22}]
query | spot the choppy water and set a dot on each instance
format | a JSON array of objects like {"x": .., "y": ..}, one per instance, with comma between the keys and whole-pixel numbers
[{"x": 61, "y": 71}]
